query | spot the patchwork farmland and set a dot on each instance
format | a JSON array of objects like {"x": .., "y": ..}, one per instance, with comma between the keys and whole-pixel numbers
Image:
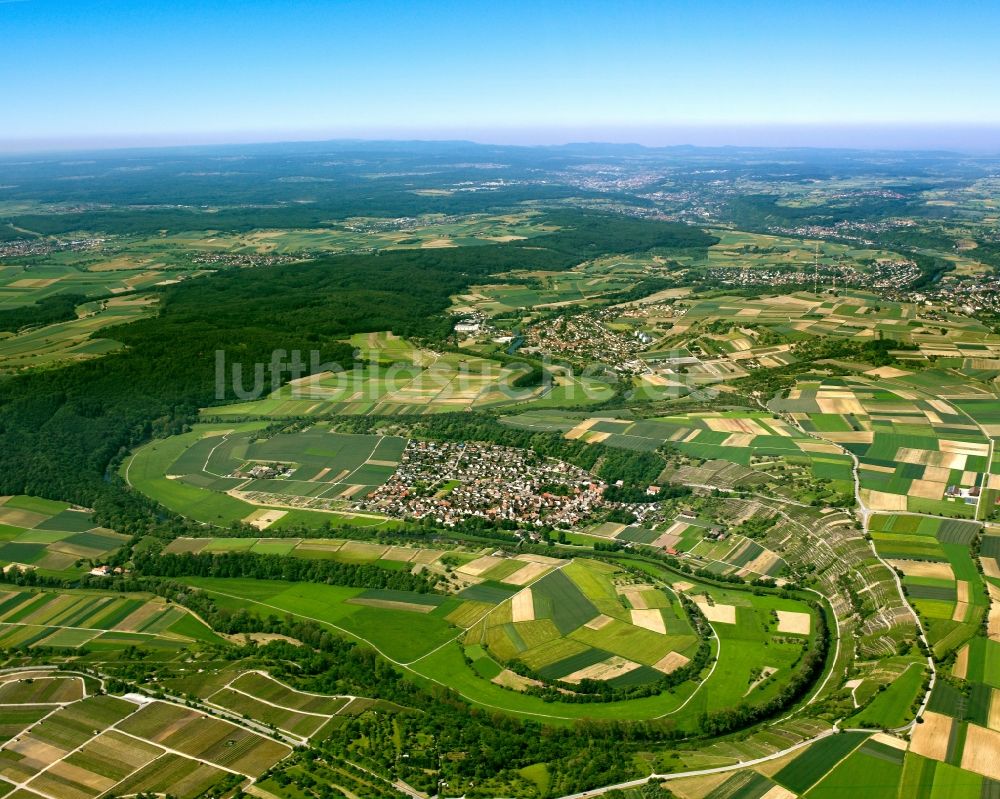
[
  {"x": 52, "y": 538},
  {"x": 569, "y": 622},
  {"x": 709, "y": 447},
  {"x": 734, "y": 535},
  {"x": 80, "y": 743},
  {"x": 242, "y": 474},
  {"x": 392, "y": 377},
  {"x": 94, "y": 621},
  {"x": 918, "y": 452}
]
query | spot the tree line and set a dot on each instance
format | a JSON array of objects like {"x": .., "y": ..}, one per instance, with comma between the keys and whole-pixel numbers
[{"x": 280, "y": 567}]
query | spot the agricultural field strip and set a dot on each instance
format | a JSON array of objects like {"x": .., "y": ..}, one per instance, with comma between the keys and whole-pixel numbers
[
  {"x": 211, "y": 452},
  {"x": 488, "y": 612},
  {"x": 344, "y": 480},
  {"x": 287, "y": 733},
  {"x": 24, "y": 784},
  {"x": 378, "y": 442},
  {"x": 169, "y": 751},
  {"x": 228, "y": 715},
  {"x": 228, "y": 686},
  {"x": 97, "y": 630},
  {"x": 176, "y": 752},
  {"x": 820, "y": 542},
  {"x": 833, "y": 610},
  {"x": 357, "y": 637},
  {"x": 715, "y": 662},
  {"x": 20, "y": 670},
  {"x": 739, "y": 541},
  {"x": 57, "y": 705}
]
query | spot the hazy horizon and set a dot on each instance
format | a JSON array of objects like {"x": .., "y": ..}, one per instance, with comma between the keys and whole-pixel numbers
[
  {"x": 977, "y": 140},
  {"x": 902, "y": 75}
]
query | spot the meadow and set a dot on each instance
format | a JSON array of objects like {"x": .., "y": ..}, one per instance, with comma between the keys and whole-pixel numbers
[{"x": 458, "y": 640}]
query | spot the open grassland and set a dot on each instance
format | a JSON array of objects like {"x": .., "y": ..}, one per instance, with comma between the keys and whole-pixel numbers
[
  {"x": 401, "y": 636},
  {"x": 578, "y": 622}
]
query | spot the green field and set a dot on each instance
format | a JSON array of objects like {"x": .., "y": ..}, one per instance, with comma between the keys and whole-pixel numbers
[
  {"x": 51, "y": 538},
  {"x": 892, "y": 707},
  {"x": 426, "y": 644},
  {"x": 809, "y": 768},
  {"x": 393, "y": 377},
  {"x": 74, "y": 619},
  {"x": 191, "y": 473}
]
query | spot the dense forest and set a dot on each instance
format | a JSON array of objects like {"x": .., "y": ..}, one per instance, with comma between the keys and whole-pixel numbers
[
  {"x": 277, "y": 567},
  {"x": 47, "y": 311},
  {"x": 61, "y": 429}
]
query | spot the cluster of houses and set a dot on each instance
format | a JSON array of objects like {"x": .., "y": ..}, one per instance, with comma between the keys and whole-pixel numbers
[
  {"x": 248, "y": 259},
  {"x": 106, "y": 571},
  {"x": 453, "y": 481},
  {"x": 967, "y": 294},
  {"x": 851, "y": 230},
  {"x": 969, "y": 495},
  {"x": 883, "y": 274},
  {"x": 19, "y": 248},
  {"x": 587, "y": 338},
  {"x": 264, "y": 471}
]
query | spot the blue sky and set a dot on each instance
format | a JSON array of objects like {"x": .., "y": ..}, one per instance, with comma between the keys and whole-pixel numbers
[{"x": 175, "y": 70}]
